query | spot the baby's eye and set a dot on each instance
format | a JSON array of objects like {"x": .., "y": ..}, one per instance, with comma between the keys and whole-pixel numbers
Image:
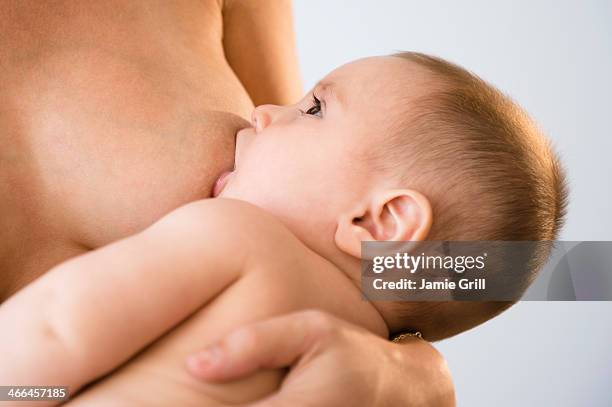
[{"x": 316, "y": 109}]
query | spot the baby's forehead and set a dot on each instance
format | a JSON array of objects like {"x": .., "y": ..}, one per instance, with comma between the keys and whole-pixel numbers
[{"x": 381, "y": 80}]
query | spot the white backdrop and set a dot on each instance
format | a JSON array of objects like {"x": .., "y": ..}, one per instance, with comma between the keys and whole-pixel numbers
[{"x": 555, "y": 59}]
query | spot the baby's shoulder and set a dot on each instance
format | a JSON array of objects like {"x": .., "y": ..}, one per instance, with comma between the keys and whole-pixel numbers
[
  {"x": 223, "y": 221},
  {"x": 231, "y": 215}
]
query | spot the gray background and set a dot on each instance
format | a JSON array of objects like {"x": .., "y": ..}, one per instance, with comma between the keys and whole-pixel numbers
[{"x": 555, "y": 59}]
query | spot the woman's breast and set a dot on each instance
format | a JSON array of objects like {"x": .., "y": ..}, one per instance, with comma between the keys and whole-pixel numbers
[
  {"x": 128, "y": 108},
  {"x": 175, "y": 48}
]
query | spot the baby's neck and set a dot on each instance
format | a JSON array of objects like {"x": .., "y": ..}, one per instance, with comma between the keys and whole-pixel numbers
[{"x": 367, "y": 314}]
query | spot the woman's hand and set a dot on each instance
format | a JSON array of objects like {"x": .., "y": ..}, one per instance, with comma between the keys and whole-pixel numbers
[{"x": 331, "y": 363}]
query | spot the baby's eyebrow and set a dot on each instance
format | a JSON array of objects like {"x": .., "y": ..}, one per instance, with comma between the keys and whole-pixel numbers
[{"x": 328, "y": 90}]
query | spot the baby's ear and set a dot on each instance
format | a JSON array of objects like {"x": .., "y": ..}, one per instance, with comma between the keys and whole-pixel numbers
[{"x": 391, "y": 215}]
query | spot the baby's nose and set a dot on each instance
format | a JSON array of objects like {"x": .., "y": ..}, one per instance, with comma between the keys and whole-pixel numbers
[{"x": 263, "y": 116}]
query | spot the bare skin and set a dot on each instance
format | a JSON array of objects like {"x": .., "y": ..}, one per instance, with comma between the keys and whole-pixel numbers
[{"x": 114, "y": 113}]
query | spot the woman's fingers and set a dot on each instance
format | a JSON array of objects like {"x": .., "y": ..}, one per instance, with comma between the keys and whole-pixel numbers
[
  {"x": 273, "y": 343},
  {"x": 331, "y": 363}
]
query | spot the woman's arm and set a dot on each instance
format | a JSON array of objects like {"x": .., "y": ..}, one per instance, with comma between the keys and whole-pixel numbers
[
  {"x": 259, "y": 45},
  {"x": 332, "y": 363}
]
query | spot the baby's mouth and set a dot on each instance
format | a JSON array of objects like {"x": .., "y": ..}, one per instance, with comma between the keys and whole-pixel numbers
[
  {"x": 221, "y": 182},
  {"x": 223, "y": 178}
]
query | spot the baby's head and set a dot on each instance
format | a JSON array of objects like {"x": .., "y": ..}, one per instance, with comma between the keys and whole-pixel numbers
[{"x": 401, "y": 147}]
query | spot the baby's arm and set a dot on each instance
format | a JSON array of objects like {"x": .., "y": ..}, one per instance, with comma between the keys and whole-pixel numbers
[
  {"x": 259, "y": 45},
  {"x": 90, "y": 314}
]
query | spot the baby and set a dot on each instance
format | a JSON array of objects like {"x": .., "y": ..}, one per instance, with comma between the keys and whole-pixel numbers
[{"x": 401, "y": 147}]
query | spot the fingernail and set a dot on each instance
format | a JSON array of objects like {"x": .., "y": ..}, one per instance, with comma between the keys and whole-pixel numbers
[{"x": 206, "y": 358}]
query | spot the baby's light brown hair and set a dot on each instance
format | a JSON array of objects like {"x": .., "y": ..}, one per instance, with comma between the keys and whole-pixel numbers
[{"x": 488, "y": 172}]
